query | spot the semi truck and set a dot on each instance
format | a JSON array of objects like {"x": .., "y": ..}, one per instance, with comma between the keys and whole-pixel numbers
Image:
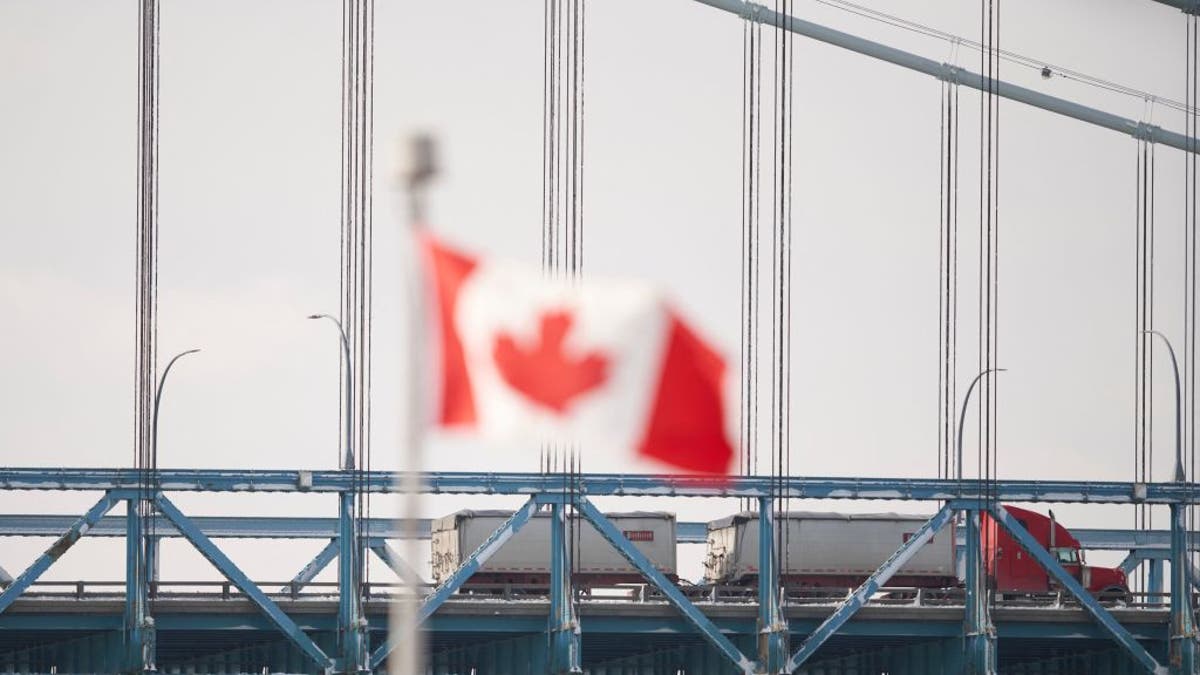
[
  {"x": 819, "y": 550},
  {"x": 841, "y": 550},
  {"x": 1015, "y": 571}
]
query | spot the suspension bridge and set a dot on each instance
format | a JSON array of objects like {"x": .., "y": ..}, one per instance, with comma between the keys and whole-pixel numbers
[{"x": 147, "y": 623}]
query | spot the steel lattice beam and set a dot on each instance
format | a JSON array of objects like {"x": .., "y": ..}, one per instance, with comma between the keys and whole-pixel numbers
[
  {"x": 797, "y": 487},
  {"x": 689, "y": 611},
  {"x": 1064, "y": 579},
  {"x": 430, "y": 604},
  {"x": 57, "y": 549},
  {"x": 238, "y": 578},
  {"x": 863, "y": 593}
]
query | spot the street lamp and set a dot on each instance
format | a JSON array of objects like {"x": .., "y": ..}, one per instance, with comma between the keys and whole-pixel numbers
[
  {"x": 351, "y": 622},
  {"x": 1181, "y": 651},
  {"x": 962, "y": 417},
  {"x": 1179, "y": 475},
  {"x": 157, "y": 399},
  {"x": 349, "y": 459},
  {"x": 981, "y": 640}
]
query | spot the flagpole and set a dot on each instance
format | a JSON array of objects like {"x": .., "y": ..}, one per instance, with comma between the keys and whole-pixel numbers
[{"x": 417, "y": 170}]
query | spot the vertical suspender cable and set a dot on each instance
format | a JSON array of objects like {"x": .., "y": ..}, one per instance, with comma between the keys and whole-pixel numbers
[
  {"x": 1193, "y": 99},
  {"x": 781, "y": 276},
  {"x": 989, "y": 255},
  {"x": 943, "y": 447},
  {"x": 751, "y": 131},
  {"x": 356, "y": 274},
  {"x": 147, "y": 279},
  {"x": 562, "y": 193},
  {"x": 1144, "y": 315},
  {"x": 948, "y": 278}
]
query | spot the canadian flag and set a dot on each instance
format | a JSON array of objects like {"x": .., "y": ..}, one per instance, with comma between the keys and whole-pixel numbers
[{"x": 605, "y": 364}]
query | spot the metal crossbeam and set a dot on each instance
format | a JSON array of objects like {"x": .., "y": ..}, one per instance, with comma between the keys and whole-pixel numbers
[
  {"x": 238, "y": 578},
  {"x": 216, "y": 527},
  {"x": 57, "y": 549},
  {"x": 1102, "y": 617},
  {"x": 796, "y": 487},
  {"x": 955, "y": 74},
  {"x": 450, "y": 586},
  {"x": 313, "y": 568},
  {"x": 863, "y": 593},
  {"x": 689, "y": 611}
]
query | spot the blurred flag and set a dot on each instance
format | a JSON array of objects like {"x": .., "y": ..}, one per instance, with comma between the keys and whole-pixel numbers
[{"x": 607, "y": 364}]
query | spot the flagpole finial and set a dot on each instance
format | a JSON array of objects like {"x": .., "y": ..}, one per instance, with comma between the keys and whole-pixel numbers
[{"x": 417, "y": 169}]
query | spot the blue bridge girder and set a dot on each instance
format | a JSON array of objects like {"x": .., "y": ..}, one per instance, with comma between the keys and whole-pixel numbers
[
  {"x": 448, "y": 482},
  {"x": 310, "y": 630}
]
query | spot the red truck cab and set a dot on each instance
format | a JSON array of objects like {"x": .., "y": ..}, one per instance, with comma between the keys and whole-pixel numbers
[{"x": 1015, "y": 571}]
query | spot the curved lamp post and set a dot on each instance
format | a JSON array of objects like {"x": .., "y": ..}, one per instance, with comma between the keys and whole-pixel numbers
[
  {"x": 1182, "y": 645},
  {"x": 351, "y": 622},
  {"x": 158, "y": 399},
  {"x": 980, "y": 635},
  {"x": 1179, "y": 475},
  {"x": 348, "y": 460},
  {"x": 962, "y": 417}
]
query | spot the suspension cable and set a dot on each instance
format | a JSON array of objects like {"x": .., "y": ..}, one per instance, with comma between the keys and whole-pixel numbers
[
  {"x": 751, "y": 133},
  {"x": 356, "y": 255},
  {"x": 989, "y": 262},
  {"x": 562, "y": 199},
  {"x": 781, "y": 278},
  {"x": 146, "y": 315},
  {"x": 1191, "y": 68},
  {"x": 948, "y": 278}
]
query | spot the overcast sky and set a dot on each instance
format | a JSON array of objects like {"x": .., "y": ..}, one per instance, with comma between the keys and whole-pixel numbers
[{"x": 249, "y": 217}]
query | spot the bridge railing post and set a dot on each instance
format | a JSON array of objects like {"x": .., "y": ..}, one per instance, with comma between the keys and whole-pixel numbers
[{"x": 1154, "y": 585}]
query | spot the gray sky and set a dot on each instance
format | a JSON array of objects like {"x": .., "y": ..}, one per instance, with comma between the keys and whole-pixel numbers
[{"x": 250, "y": 202}]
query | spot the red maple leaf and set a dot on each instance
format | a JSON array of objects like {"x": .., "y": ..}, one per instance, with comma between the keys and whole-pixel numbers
[{"x": 543, "y": 372}]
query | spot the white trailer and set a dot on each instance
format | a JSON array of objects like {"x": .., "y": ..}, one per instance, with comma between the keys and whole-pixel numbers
[
  {"x": 829, "y": 549},
  {"x": 525, "y": 559}
]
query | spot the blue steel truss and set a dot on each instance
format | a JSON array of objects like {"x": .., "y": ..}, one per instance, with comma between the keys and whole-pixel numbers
[
  {"x": 238, "y": 578},
  {"x": 796, "y": 487},
  {"x": 564, "y": 629},
  {"x": 863, "y": 593}
]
